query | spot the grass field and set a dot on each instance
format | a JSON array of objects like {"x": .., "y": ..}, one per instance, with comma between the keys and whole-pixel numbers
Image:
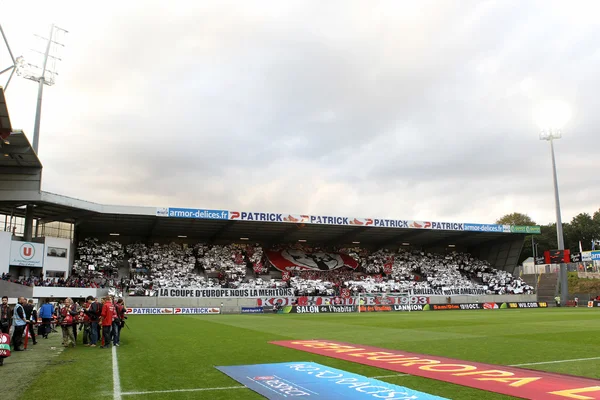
[{"x": 179, "y": 352}]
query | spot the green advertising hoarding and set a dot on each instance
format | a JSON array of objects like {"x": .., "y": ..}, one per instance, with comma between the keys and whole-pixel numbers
[{"x": 526, "y": 229}]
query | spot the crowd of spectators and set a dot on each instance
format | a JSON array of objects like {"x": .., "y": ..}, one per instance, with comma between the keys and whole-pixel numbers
[{"x": 244, "y": 266}]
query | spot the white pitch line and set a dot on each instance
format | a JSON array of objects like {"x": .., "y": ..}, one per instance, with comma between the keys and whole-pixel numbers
[
  {"x": 555, "y": 362},
  {"x": 116, "y": 379},
  {"x": 184, "y": 390}
]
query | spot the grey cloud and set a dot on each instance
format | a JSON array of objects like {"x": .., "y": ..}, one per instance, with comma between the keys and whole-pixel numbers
[{"x": 354, "y": 108}]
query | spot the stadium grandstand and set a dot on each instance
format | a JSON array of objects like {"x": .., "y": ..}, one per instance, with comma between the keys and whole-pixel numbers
[{"x": 87, "y": 247}]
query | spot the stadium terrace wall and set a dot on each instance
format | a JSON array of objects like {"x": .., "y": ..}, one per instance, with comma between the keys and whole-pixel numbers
[
  {"x": 234, "y": 305},
  {"x": 42, "y": 292}
]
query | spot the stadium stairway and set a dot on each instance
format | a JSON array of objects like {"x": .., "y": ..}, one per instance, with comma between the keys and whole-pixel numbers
[
  {"x": 530, "y": 279},
  {"x": 124, "y": 270},
  {"x": 546, "y": 288}
]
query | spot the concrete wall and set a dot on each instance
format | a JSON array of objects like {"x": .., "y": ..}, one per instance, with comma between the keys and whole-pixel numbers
[
  {"x": 57, "y": 263},
  {"x": 14, "y": 290},
  {"x": 5, "y": 239},
  {"x": 63, "y": 292}
]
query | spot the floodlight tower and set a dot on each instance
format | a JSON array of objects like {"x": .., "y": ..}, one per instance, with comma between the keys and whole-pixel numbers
[
  {"x": 45, "y": 75},
  {"x": 552, "y": 116}
]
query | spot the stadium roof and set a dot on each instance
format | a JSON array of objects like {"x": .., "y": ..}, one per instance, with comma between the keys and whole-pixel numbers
[
  {"x": 16, "y": 151},
  {"x": 151, "y": 223},
  {"x": 94, "y": 219}
]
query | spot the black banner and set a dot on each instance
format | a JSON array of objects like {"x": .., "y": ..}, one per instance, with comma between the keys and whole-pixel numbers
[
  {"x": 463, "y": 306},
  {"x": 540, "y": 260},
  {"x": 314, "y": 309},
  {"x": 409, "y": 307}
]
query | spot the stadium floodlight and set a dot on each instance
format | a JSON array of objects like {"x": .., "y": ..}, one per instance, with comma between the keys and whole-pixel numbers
[
  {"x": 551, "y": 116},
  {"x": 181, "y": 236},
  {"x": 244, "y": 238},
  {"x": 355, "y": 242},
  {"x": 405, "y": 244},
  {"x": 302, "y": 240},
  {"x": 114, "y": 234},
  {"x": 44, "y": 75}
]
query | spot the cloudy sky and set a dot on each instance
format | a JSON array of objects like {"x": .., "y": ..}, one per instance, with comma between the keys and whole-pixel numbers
[{"x": 416, "y": 110}]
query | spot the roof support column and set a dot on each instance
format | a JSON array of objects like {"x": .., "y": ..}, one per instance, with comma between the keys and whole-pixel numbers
[{"x": 28, "y": 229}]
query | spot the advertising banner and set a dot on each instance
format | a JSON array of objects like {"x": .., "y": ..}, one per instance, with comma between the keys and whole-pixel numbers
[
  {"x": 512, "y": 381},
  {"x": 171, "y": 310},
  {"x": 200, "y": 213},
  {"x": 202, "y": 310},
  {"x": 197, "y": 213},
  {"x": 252, "y": 310},
  {"x": 382, "y": 308},
  {"x": 541, "y": 304},
  {"x": 595, "y": 255},
  {"x": 224, "y": 293},
  {"x": 449, "y": 292},
  {"x": 586, "y": 256},
  {"x": 150, "y": 311},
  {"x": 316, "y": 309},
  {"x": 410, "y": 307},
  {"x": 487, "y": 228},
  {"x": 26, "y": 254},
  {"x": 268, "y": 217},
  {"x": 366, "y": 300},
  {"x": 316, "y": 381},
  {"x": 526, "y": 229},
  {"x": 293, "y": 259}
]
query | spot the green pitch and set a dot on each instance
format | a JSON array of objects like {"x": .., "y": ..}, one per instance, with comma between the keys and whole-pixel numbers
[{"x": 174, "y": 355}]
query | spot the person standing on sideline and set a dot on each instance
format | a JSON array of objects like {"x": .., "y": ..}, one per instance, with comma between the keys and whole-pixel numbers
[
  {"x": 93, "y": 310},
  {"x": 19, "y": 323},
  {"x": 108, "y": 313},
  {"x": 118, "y": 322},
  {"x": 31, "y": 317},
  {"x": 46, "y": 313},
  {"x": 66, "y": 322},
  {"x": 5, "y": 315}
]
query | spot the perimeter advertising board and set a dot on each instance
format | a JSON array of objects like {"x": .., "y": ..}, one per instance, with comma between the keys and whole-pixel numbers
[{"x": 199, "y": 213}]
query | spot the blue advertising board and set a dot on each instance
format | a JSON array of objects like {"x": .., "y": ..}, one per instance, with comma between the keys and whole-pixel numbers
[
  {"x": 192, "y": 213},
  {"x": 252, "y": 310},
  {"x": 486, "y": 228},
  {"x": 316, "y": 381}
]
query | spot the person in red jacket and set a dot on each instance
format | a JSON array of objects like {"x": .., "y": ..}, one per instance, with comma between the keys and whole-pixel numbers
[{"x": 108, "y": 313}]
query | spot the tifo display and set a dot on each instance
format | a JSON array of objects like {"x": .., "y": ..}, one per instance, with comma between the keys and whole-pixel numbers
[{"x": 237, "y": 270}]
